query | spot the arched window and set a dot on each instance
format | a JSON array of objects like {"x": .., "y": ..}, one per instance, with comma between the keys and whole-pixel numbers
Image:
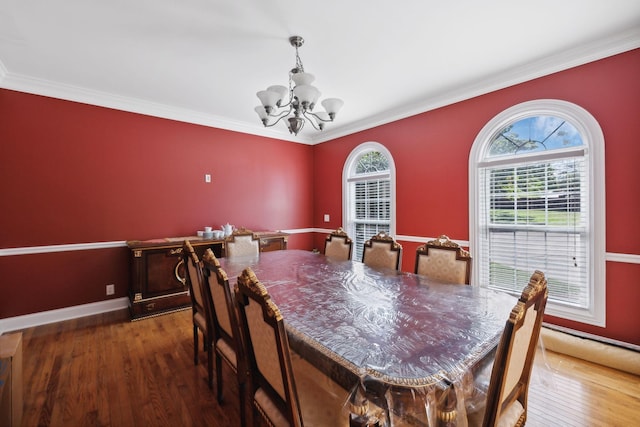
[
  {"x": 537, "y": 203},
  {"x": 368, "y": 201}
]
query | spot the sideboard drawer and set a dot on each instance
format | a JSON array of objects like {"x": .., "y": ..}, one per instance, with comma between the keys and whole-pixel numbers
[{"x": 153, "y": 306}]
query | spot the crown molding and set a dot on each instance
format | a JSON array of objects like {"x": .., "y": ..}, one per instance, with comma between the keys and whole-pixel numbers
[
  {"x": 35, "y": 86},
  {"x": 3, "y": 72},
  {"x": 560, "y": 61}
]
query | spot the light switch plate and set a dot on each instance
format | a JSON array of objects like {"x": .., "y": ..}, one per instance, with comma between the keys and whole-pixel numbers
[
  {"x": 327, "y": 218},
  {"x": 207, "y": 178}
]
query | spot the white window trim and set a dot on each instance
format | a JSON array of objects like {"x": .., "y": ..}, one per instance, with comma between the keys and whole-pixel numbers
[
  {"x": 593, "y": 139},
  {"x": 350, "y": 163}
]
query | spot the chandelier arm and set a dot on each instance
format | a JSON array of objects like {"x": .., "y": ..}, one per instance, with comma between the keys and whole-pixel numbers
[
  {"x": 281, "y": 113},
  {"x": 279, "y": 117},
  {"x": 318, "y": 117},
  {"x": 288, "y": 104},
  {"x": 310, "y": 120}
]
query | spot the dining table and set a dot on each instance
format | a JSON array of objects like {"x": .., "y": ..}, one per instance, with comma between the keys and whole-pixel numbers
[{"x": 401, "y": 341}]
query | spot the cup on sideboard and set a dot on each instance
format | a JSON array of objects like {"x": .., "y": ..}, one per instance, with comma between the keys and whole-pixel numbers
[{"x": 207, "y": 229}]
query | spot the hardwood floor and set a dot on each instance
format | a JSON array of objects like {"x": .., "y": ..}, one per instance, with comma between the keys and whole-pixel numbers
[
  {"x": 566, "y": 391},
  {"x": 107, "y": 371}
]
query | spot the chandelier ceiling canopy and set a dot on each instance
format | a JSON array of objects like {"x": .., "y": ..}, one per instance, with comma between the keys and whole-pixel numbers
[{"x": 296, "y": 103}]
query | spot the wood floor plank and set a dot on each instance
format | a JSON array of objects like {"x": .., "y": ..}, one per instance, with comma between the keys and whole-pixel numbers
[
  {"x": 573, "y": 392},
  {"x": 107, "y": 371}
]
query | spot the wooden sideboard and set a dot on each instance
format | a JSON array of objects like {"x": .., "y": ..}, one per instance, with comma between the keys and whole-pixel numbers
[{"x": 157, "y": 283}]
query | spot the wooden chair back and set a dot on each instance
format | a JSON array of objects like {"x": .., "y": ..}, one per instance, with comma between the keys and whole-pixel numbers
[
  {"x": 200, "y": 310},
  {"x": 338, "y": 245},
  {"x": 242, "y": 242},
  {"x": 193, "y": 277},
  {"x": 216, "y": 280},
  {"x": 228, "y": 338},
  {"x": 382, "y": 251},
  {"x": 509, "y": 384},
  {"x": 272, "y": 385},
  {"x": 444, "y": 261}
]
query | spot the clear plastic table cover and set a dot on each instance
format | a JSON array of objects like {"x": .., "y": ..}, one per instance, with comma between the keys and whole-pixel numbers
[{"x": 401, "y": 329}]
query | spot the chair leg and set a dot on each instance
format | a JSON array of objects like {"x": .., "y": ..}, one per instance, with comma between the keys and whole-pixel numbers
[
  {"x": 219, "y": 377},
  {"x": 243, "y": 410},
  {"x": 195, "y": 345},
  {"x": 210, "y": 363}
]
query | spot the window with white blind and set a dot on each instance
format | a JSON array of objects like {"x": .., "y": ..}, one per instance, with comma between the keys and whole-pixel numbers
[
  {"x": 368, "y": 194},
  {"x": 537, "y": 197}
]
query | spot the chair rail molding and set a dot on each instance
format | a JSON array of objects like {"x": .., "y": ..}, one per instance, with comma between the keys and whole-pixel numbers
[{"x": 30, "y": 250}]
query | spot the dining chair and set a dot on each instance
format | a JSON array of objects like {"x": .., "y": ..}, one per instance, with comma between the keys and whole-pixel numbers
[
  {"x": 506, "y": 396},
  {"x": 242, "y": 242},
  {"x": 227, "y": 338},
  {"x": 444, "y": 261},
  {"x": 338, "y": 245},
  {"x": 273, "y": 375},
  {"x": 200, "y": 317},
  {"x": 382, "y": 251}
]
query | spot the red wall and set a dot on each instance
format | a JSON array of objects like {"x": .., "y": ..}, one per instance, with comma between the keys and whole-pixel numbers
[
  {"x": 75, "y": 173},
  {"x": 431, "y": 155}
]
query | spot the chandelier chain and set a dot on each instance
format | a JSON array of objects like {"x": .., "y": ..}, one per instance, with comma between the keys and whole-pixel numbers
[{"x": 299, "y": 67}]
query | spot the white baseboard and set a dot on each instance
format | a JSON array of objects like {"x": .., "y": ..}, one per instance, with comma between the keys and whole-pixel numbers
[{"x": 42, "y": 318}]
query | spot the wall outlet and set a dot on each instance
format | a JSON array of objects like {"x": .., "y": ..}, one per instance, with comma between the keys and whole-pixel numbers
[
  {"x": 327, "y": 218},
  {"x": 111, "y": 289}
]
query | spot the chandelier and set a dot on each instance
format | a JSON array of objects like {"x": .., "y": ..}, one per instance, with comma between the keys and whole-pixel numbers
[{"x": 296, "y": 102}]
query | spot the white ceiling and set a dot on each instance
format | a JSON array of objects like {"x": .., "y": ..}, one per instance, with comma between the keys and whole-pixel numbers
[{"x": 202, "y": 61}]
